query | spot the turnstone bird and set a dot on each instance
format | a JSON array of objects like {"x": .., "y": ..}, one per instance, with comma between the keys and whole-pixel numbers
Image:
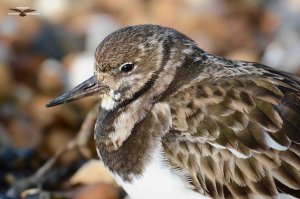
[
  {"x": 176, "y": 122},
  {"x": 22, "y": 12}
]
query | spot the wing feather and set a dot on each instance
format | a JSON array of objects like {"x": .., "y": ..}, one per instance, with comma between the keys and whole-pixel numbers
[
  {"x": 238, "y": 137},
  {"x": 15, "y": 9},
  {"x": 29, "y": 10}
]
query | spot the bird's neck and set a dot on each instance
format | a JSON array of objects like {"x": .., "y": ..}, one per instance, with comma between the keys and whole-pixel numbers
[
  {"x": 115, "y": 123},
  {"x": 121, "y": 142}
]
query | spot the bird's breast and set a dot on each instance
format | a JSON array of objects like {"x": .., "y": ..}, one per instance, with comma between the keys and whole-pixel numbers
[{"x": 125, "y": 139}]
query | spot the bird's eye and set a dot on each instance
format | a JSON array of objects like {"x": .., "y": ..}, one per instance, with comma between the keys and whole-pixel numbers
[{"x": 127, "y": 67}]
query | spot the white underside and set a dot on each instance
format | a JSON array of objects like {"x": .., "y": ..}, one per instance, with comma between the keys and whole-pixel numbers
[{"x": 158, "y": 182}]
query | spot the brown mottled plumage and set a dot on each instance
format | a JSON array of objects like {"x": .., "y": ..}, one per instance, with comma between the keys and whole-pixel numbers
[{"x": 230, "y": 129}]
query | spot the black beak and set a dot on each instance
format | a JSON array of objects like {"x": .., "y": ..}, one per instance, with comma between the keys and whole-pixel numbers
[{"x": 87, "y": 88}]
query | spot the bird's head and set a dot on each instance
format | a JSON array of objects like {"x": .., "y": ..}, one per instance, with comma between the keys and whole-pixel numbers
[{"x": 131, "y": 62}]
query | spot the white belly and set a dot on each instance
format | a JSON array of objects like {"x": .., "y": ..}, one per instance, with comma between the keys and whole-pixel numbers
[{"x": 158, "y": 182}]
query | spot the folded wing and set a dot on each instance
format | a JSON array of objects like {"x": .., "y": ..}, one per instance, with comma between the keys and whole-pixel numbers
[{"x": 238, "y": 137}]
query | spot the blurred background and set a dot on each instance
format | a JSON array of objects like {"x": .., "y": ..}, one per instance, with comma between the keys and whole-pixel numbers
[{"x": 47, "y": 153}]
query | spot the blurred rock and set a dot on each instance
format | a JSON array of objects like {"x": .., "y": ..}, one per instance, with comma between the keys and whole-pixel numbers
[
  {"x": 283, "y": 50},
  {"x": 56, "y": 139},
  {"x": 92, "y": 172},
  {"x": 6, "y": 82},
  {"x": 8, "y": 31},
  {"x": 43, "y": 117},
  {"x": 244, "y": 54},
  {"x": 23, "y": 95},
  {"x": 54, "y": 13},
  {"x": 22, "y": 133},
  {"x": 4, "y": 139},
  {"x": 98, "y": 191},
  {"x": 298, "y": 72},
  {"x": 35, "y": 193},
  {"x": 51, "y": 77}
]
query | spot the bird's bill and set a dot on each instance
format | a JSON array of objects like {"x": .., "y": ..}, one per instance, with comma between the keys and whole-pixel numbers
[{"x": 87, "y": 88}]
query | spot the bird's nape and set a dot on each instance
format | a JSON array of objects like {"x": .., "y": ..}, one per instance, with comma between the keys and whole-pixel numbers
[{"x": 87, "y": 88}]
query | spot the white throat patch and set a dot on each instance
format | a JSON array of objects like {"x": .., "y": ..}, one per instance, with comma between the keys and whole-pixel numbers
[{"x": 108, "y": 101}]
